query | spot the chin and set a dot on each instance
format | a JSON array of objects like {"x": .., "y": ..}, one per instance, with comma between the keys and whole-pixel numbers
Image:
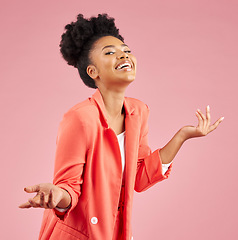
[
  {"x": 131, "y": 78},
  {"x": 127, "y": 80}
]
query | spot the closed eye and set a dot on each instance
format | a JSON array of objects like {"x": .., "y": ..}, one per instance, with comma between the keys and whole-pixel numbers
[{"x": 109, "y": 53}]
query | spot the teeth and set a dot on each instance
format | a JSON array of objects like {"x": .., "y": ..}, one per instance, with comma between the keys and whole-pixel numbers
[{"x": 123, "y": 65}]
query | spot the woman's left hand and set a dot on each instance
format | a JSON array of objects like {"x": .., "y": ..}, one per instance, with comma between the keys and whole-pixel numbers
[{"x": 203, "y": 127}]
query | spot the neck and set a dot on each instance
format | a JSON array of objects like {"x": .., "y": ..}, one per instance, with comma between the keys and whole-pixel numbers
[{"x": 113, "y": 101}]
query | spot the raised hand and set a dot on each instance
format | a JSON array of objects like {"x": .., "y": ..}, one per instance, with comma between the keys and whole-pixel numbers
[
  {"x": 203, "y": 127},
  {"x": 48, "y": 196}
]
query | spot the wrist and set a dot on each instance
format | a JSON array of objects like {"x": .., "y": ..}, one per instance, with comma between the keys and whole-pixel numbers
[{"x": 183, "y": 134}]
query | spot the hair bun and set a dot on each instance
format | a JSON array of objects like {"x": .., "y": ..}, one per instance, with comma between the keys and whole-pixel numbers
[{"x": 80, "y": 32}]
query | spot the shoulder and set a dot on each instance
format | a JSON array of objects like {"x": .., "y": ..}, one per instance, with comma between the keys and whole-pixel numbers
[{"x": 81, "y": 112}]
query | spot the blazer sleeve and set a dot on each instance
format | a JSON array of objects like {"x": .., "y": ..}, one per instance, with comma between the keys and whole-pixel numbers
[
  {"x": 149, "y": 164},
  {"x": 70, "y": 157}
]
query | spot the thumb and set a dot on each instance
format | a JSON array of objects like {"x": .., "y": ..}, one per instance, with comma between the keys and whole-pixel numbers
[{"x": 34, "y": 188}]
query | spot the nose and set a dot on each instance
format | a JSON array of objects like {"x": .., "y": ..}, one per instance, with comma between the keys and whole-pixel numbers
[{"x": 122, "y": 55}]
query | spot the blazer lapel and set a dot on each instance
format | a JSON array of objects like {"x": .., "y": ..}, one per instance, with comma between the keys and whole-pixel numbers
[{"x": 132, "y": 128}]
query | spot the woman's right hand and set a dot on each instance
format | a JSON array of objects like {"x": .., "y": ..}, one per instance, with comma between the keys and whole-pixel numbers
[{"x": 48, "y": 196}]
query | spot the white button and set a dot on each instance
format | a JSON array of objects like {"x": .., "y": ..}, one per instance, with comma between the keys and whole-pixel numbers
[
  {"x": 131, "y": 238},
  {"x": 94, "y": 220}
]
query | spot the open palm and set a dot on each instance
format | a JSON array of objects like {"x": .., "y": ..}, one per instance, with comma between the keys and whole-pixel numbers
[
  {"x": 203, "y": 127},
  {"x": 48, "y": 196}
]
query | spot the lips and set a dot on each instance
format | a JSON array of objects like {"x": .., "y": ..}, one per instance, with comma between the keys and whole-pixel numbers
[{"x": 124, "y": 65}]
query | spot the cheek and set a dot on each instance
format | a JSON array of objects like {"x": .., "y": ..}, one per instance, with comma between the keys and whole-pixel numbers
[
  {"x": 107, "y": 65},
  {"x": 105, "y": 69}
]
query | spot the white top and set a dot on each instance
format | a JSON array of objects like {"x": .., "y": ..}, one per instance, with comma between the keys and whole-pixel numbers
[{"x": 121, "y": 141}]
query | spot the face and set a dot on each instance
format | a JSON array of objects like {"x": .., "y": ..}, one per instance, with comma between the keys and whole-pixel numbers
[{"x": 113, "y": 64}]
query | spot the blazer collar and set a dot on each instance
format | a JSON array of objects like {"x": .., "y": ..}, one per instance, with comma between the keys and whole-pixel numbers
[{"x": 97, "y": 97}]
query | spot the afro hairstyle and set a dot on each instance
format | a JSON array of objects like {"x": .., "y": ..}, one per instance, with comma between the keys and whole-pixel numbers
[{"x": 78, "y": 39}]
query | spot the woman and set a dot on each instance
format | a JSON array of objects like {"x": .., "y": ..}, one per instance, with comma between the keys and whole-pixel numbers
[{"x": 102, "y": 152}]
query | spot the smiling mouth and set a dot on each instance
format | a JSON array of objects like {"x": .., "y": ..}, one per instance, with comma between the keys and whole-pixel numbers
[{"x": 124, "y": 66}]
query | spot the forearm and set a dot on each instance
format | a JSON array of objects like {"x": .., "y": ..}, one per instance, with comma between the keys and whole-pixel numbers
[{"x": 169, "y": 151}]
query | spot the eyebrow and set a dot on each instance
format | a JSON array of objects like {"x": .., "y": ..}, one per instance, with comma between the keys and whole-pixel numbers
[{"x": 108, "y": 46}]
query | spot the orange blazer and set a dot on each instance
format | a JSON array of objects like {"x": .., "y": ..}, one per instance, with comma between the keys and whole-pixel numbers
[{"x": 88, "y": 166}]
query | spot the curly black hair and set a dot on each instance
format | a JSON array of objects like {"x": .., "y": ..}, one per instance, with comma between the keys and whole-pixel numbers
[{"x": 79, "y": 37}]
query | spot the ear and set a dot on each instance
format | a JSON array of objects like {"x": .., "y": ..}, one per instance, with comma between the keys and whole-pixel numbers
[{"x": 92, "y": 71}]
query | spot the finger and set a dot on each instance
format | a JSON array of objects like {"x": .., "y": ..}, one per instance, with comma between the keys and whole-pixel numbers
[
  {"x": 204, "y": 120},
  {"x": 42, "y": 200},
  {"x": 200, "y": 121},
  {"x": 50, "y": 200},
  {"x": 215, "y": 125},
  {"x": 34, "y": 188},
  {"x": 208, "y": 116},
  {"x": 201, "y": 114},
  {"x": 25, "y": 205},
  {"x": 33, "y": 203}
]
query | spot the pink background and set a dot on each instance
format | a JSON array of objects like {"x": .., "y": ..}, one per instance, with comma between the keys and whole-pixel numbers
[{"x": 187, "y": 55}]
